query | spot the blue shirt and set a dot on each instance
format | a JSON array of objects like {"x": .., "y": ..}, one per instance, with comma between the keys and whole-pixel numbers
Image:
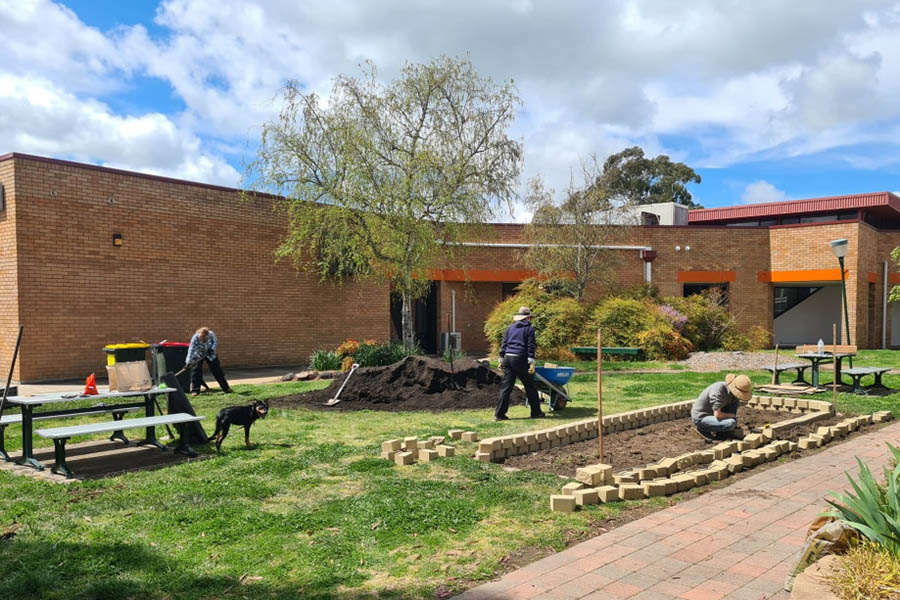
[
  {"x": 200, "y": 349},
  {"x": 519, "y": 339}
]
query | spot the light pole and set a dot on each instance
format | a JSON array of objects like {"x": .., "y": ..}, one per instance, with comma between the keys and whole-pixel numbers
[{"x": 839, "y": 247}]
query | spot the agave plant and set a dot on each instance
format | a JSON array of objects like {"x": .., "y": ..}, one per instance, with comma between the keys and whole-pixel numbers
[{"x": 874, "y": 509}]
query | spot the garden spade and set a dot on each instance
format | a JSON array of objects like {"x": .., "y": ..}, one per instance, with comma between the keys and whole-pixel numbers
[{"x": 337, "y": 397}]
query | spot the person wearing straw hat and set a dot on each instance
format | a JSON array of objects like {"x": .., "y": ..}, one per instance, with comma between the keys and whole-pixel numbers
[
  {"x": 517, "y": 360},
  {"x": 714, "y": 413}
]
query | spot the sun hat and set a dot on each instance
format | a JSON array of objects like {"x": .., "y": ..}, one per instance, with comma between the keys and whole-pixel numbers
[
  {"x": 524, "y": 313},
  {"x": 740, "y": 386}
]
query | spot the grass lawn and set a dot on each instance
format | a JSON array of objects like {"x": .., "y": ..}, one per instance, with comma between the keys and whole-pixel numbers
[{"x": 312, "y": 512}]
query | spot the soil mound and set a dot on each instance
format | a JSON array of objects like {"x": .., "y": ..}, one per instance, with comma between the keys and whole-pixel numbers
[{"x": 414, "y": 383}]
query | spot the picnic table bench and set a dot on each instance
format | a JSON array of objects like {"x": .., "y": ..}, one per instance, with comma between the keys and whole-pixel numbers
[
  {"x": 586, "y": 351},
  {"x": 857, "y": 373},
  {"x": 60, "y": 435},
  {"x": 782, "y": 367}
]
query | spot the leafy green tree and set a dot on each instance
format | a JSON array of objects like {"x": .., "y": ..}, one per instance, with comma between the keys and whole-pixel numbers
[
  {"x": 630, "y": 177},
  {"x": 381, "y": 179},
  {"x": 571, "y": 238}
]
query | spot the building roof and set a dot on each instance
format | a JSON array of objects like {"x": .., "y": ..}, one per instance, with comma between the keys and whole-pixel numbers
[{"x": 886, "y": 201}]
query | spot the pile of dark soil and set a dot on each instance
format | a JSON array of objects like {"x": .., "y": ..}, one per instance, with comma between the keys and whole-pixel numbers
[
  {"x": 414, "y": 383},
  {"x": 645, "y": 445}
]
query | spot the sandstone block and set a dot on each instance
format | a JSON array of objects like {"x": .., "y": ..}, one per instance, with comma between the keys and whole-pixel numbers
[
  {"x": 608, "y": 493},
  {"x": 668, "y": 464},
  {"x": 570, "y": 487},
  {"x": 426, "y": 445},
  {"x": 444, "y": 450},
  {"x": 410, "y": 443},
  {"x": 388, "y": 455},
  {"x": 768, "y": 434},
  {"x": 793, "y": 446},
  {"x": 706, "y": 457},
  {"x": 391, "y": 446},
  {"x": 437, "y": 440},
  {"x": 700, "y": 477},
  {"x": 646, "y": 473},
  {"x": 427, "y": 454},
  {"x": 631, "y": 491},
  {"x": 684, "y": 482},
  {"x": 801, "y": 403},
  {"x": 805, "y": 443},
  {"x": 586, "y": 496},
  {"x": 754, "y": 440},
  {"x": 735, "y": 463},
  {"x": 404, "y": 458},
  {"x": 717, "y": 473},
  {"x": 882, "y": 416},
  {"x": 654, "y": 488},
  {"x": 455, "y": 434},
  {"x": 671, "y": 486},
  {"x": 789, "y": 402},
  {"x": 626, "y": 477},
  {"x": 595, "y": 475},
  {"x": 769, "y": 453},
  {"x": 824, "y": 433},
  {"x": 562, "y": 503},
  {"x": 469, "y": 436},
  {"x": 726, "y": 448},
  {"x": 483, "y": 456}
]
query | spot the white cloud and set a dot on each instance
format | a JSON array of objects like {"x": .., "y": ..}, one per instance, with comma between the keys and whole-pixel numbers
[{"x": 762, "y": 191}]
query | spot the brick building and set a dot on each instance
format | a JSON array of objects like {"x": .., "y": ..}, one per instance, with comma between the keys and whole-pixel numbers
[{"x": 195, "y": 254}]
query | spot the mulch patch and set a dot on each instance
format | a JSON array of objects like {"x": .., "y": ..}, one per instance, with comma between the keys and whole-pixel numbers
[
  {"x": 645, "y": 445},
  {"x": 416, "y": 383}
]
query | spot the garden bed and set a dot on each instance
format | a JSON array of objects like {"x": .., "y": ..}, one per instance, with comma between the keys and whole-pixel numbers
[
  {"x": 648, "y": 444},
  {"x": 415, "y": 383}
]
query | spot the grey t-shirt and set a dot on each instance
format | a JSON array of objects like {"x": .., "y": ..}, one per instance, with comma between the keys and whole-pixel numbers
[{"x": 714, "y": 397}]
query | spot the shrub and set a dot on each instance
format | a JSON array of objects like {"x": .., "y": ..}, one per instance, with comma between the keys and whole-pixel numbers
[
  {"x": 673, "y": 317},
  {"x": 558, "y": 320},
  {"x": 621, "y": 319},
  {"x": 663, "y": 342},
  {"x": 371, "y": 354},
  {"x": 866, "y": 571},
  {"x": 874, "y": 509},
  {"x": 708, "y": 322},
  {"x": 324, "y": 360},
  {"x": 561, "y": 354},
  {"x": 347, "y": 348}
]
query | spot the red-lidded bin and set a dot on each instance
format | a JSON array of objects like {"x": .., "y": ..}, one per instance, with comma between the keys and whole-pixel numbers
[{"x": 171, "y": 356}]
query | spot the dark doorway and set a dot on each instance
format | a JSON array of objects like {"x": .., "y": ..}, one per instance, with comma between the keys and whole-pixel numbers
[{"x": 424, "y": 319}]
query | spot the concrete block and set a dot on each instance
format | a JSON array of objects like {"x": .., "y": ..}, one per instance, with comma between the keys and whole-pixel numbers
[
  {"x": 625, "y": 477},
  {"x": 490, "y": 445},
  {"x": 586, "y": 496},
  {"x": 410, "y": 444},
  {"x": 763, "y": 401},
  {"x": 631, "y": 491},
  {"x": 483, "y": 456},
  {"x": 646, "y": 473},
  {"x": 706, "y": 457},
  {"x": 726, "y": 448},
  {"x": 426, "y": 445},
  {"x": 608, "y": 493},
  {"x": 404, "y": 458},
  {"x": 668, "y": 464},
  {"x": 789, "y": 402},
  {"x": 562, "y": 503},
  {"x": 444, "y": 450},
  {"x": 700, "y": 477},
  {"x": 427, "y": 454},
  {"x": 769, "y": 453},
  {"x": 793, "y": 446},
  {"x": 684, "y": 482},
  {"x": 392, "y": 446},
  {"x": 455, "y": 434},
  {"x": 469, "y": 436},
  {"x": 743, "y": 446},
  {"x": 865, "y": 419},
  {"x": 805, "y": 443},
  {"x": 717, "y": 473},
  {"x": 818, "y": 440},
  {"x": 824, "y": 433},
  {"x": 570, "y": 487},
  {"x": 595, "y": 475},
  {"x": 437, "y": 440},
  {"x": 768, "y": 434},
  {"x": 755, "y": 457},
  {"x": 654, "y": 488},
  {"x": 754, "y": 440},
  {"x": 802, "y": 403},
  {"x": 776, "y": 403},
  {"x": 735, "y": 463},
  {"x": 882, "y": 416},
  {"x": 388, "y": 454},
  {"x": 671, "y": 486}
]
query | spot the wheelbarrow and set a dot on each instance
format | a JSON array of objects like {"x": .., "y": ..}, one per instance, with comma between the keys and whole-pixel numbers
[{"x": 551, "y": 382}]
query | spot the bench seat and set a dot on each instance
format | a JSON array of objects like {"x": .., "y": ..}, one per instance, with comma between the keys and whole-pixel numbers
[
  {"x": 857, "y": 373},
  {"x": 60, "y": 435},
  {"x": 800, "y": 367},
  {"x": 608, "y": 350},
  {"x": 101, "y": 409}
]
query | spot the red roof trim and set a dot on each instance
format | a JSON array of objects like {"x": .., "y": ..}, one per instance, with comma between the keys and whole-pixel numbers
[{"x": 793, "y": 207}]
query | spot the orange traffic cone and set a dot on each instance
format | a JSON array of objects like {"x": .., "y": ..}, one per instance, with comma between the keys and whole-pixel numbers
[{"x": 90, "y": 386}]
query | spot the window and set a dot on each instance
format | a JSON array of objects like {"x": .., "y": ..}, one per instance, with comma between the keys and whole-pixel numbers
[
  {"x": 787, "y": 298},
  {"x": 692, "y": 289},
  {"x": 509, "y": 289}
]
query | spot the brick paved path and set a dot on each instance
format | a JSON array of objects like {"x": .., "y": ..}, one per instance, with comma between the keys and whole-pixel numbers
[{"x": 737, "y": 542}]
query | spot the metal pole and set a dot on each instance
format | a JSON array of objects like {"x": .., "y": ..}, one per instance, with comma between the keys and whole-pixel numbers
[
  {"x": 600, "y": 394},
  {"x": 12, "y": 366},
  {"x": 834, "y": 353},
  {"x": 846, "y": 310}
]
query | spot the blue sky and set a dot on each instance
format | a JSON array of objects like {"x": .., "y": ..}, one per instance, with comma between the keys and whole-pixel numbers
[{"x": 766, "y": 100}]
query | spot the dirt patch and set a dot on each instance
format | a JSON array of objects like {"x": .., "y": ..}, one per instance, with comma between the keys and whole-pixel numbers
[
  {"x": 645, "y": 445},
  {"x": 414, "y": 383}
]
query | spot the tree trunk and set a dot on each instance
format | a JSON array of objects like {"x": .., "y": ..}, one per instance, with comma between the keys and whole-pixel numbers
[{"x": 406, "y": 320}]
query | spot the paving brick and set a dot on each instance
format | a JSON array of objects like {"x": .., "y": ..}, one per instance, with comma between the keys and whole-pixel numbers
[{"x": 562, "y": 503}]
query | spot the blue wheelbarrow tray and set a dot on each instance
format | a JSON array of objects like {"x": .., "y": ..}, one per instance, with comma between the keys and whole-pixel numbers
[{"x": 552, "y": 381}]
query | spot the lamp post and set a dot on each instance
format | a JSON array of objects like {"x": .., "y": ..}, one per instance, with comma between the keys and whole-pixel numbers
[{"x": 839, "y": 247}]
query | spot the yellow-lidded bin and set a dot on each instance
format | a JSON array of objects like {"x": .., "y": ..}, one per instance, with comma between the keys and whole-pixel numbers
[{"x": 125, "y": 352}]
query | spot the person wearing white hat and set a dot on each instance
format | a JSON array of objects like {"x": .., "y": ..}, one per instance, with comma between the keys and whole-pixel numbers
[
  {"x": 517, "y": 360},
  {"x": 714, "y": 414}
]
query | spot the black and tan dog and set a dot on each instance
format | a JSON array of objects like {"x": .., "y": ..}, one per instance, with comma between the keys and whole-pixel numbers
[{"x": 238, "y": 415}]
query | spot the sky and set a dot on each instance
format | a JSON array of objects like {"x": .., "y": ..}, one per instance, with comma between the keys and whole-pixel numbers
[{"x": 767, "y": 100}]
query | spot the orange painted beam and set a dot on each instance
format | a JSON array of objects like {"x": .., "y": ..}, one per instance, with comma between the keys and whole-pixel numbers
[
  {"x": 483, "y": 275},
  {"x": 873, "y": 278},
  {"x": 894, "y": 278},
  {"x": 801, "y": 276},
  {"x": 706, "y": 276}
]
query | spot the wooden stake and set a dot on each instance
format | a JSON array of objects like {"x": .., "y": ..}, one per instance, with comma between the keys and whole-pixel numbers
[
  {"x": 775, "y": 370},
  {"x": 834, "y": 364},
  {"x": 600, "y": 394}
]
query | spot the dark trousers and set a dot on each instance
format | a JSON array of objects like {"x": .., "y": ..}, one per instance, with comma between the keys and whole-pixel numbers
[
  {"x": 215, "y": 368},
  {"x": 513, "y": 367}
]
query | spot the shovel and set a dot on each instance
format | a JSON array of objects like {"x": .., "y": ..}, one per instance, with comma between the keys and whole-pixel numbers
[{"x": 337, "y": 397}]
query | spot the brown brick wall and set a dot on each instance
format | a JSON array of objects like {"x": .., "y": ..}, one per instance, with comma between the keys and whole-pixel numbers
[
  {"x": 192, "y": 256},
  {"x": 9, "y": 296}
]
